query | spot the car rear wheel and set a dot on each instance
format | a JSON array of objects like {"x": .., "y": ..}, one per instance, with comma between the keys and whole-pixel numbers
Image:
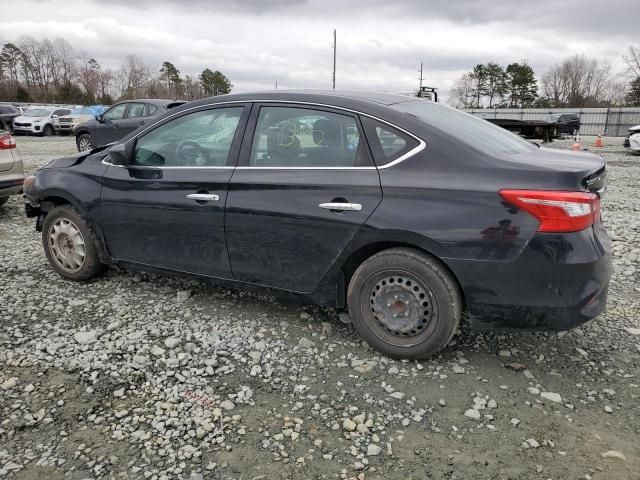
[
  {"x": 404, "y": 304},
  {"x": 70, "y": 244},
  {"x": 84, "y": 142},
  {"x": 47, "y": 131}
]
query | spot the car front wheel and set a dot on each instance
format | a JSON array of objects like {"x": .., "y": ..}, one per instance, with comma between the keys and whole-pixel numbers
[
  {"x": 47, "y": 131},
  {"x": 404, "y": 304},
  {"x": 84, "y": 142},
  {"x": 70, "y": 244}
]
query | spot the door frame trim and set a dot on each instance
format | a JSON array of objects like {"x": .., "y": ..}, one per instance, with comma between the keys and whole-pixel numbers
[{"x": 421, "y": 143}]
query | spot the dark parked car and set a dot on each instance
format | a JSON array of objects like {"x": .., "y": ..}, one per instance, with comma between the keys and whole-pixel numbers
[
  {"x": 8, "y": 113},
  {"x": 566, "y": 123},
  {"x": 306, "y": 193},
  {"x": 119, "y": 121}
]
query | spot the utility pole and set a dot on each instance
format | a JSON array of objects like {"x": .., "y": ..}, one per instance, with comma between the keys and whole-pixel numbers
[
  {"x": 334, "y": 60},
  {"x": 276, "y": 84},
  {"x": 421, "y": 78}
]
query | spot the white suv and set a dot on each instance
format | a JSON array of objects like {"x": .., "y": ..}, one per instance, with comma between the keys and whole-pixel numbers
[{"x": 38, "y": 120}]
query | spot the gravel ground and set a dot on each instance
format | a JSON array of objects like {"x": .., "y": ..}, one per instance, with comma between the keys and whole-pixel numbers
[{"x": 143, "y": 376}]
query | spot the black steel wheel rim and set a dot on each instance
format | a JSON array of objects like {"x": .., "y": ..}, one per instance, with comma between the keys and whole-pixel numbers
[{"x": 399, "y": 308}]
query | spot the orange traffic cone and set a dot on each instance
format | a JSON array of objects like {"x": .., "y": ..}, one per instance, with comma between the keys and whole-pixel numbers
[
  {"x": 576, "y": 144},
  {"x": 599, "y": 143}
]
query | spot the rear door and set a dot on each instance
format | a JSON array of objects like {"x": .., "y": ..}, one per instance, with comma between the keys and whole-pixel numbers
[
  {"x": 304, "y": 187},
  {"x": 134, "y": 117},
  {"x": 166, "y": 209}
]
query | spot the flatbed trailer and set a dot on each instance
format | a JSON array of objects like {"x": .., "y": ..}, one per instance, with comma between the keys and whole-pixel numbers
[{"x": 527, "y": 128}]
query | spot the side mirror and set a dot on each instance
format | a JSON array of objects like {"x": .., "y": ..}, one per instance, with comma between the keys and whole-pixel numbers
[
  {"x": 54, "y": 116},
  {"x": 99, "y": 118},
  {"x": 118, "y": 154}
]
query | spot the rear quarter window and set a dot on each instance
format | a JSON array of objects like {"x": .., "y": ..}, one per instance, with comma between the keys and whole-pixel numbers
[{"x": 387, "y": 143}]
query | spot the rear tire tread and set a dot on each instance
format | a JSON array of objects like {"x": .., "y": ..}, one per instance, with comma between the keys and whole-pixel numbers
[{"x": 450, "y": 321}]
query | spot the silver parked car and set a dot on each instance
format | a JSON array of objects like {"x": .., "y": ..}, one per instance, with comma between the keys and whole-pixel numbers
[{"x": 11, "y": 168}]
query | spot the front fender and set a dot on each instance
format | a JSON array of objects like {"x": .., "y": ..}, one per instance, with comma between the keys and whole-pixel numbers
[{"x": 78, "y": 186}]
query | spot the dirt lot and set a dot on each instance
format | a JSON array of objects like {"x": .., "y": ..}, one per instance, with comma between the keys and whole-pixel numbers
[{"x": 141, "y": 376}]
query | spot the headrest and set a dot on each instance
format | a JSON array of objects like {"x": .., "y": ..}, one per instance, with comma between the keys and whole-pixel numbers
[{"x": 326, "y": 133}]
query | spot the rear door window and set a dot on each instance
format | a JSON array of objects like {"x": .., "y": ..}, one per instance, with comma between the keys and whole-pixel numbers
[
  {"x": 302, "y": 137},
  {"x": 136, "y": 110}
]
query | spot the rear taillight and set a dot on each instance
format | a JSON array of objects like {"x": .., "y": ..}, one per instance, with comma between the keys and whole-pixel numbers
[
  {"x": 557, "y": 211},
  {"x": 7, "y": 141}
]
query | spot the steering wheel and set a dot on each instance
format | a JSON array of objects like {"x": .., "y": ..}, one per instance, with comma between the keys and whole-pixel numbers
[{"x": 191, "y": 154}]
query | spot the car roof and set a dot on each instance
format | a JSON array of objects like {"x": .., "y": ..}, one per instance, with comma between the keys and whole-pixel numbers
[
  {"x": 155, "y": 101},
  {"x": 333, "y": 97}
]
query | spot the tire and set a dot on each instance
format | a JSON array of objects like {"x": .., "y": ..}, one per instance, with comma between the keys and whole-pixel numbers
[
  {"x": 84, "y": 142},
  {"x": 3, "y": 200},
  {"x": 64, "y": 232},
  {"x": 425, "y": 297},
  {"x": 47, "y": 131}
]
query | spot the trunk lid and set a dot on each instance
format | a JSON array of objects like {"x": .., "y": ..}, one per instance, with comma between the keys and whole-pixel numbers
[{"x": 562, "y": 169}]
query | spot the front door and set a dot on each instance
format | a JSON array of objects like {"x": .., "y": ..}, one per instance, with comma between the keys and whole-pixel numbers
[
  {"x": 110, "y": 128},
  {"x": 166, "y": 209},
  {"x": 304, "y": 187}
]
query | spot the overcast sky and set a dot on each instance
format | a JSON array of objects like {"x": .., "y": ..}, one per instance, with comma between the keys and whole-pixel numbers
[{"x": 380, "y": 42}]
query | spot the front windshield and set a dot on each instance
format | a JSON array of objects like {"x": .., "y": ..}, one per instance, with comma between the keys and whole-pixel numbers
[
  {"x": 37, "y": 112},
  {"x": 466, "y": 128}
]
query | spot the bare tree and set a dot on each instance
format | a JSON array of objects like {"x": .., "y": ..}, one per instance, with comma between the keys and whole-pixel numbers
[
  {"x": 632, "y": 59},
  {"x": 577, "y": 81},
  {"x": 89, "y": 78},
  {"x": 462, "y": 92},
  {"x": 134, "y": 76},
  {"x": 53, "y": 71}
]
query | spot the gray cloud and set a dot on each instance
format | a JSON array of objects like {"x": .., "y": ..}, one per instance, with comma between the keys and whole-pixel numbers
[{"x": 380, "y": 43}]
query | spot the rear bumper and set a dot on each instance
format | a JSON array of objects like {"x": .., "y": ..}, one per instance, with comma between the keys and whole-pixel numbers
[
  {"x": 11, "y": 186},
  {"x": 559, "y": 282}
]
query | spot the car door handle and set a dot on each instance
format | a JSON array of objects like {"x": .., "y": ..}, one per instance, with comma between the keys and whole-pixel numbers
[
  {"x": 204, "y": 197},
  {"x": 355, "y": 207}
]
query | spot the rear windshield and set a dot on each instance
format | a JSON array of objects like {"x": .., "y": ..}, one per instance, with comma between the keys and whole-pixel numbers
[{"x": 466, "y": 128}]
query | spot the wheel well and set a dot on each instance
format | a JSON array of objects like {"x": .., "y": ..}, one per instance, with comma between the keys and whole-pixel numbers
[
  {"x": 50, "y": 203},
  {"x": 359, "y": 256}
]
